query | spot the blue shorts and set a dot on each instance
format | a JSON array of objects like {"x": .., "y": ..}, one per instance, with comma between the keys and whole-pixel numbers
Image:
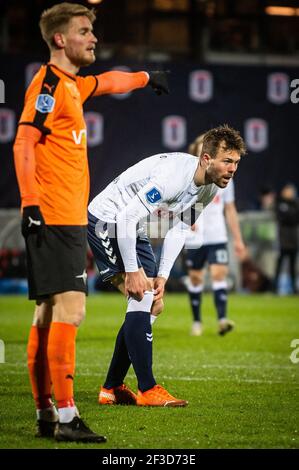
[
  {"x": 104, "y": 246},
  {"x": 211, "y": 254}
]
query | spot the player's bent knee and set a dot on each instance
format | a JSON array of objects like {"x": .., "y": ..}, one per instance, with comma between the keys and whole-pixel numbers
[
  {"x": 219, "y": 274},
  {"x": 157, "y": 307},
  {"x": 69, "y": 307},
  {"x": 196, "y": 280},
  {"x": 218, "y": 278}
]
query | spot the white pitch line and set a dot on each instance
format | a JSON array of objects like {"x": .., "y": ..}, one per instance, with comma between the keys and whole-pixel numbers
[
  {"x": 185, "y": 379},
  {"x": 203, "y": 366}
]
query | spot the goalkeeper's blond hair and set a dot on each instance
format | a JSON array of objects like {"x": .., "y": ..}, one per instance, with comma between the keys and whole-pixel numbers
[{"x": 56, "y": 19}]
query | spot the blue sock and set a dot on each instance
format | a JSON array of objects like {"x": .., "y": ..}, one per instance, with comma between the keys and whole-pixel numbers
[
  {"x": 138, "y": 336},
  {"x": 195, "y": 300},
  {"x": 120, "y": 362},
  {"x": 195, "y": 292},
  {"x": 220, "y": 300}
]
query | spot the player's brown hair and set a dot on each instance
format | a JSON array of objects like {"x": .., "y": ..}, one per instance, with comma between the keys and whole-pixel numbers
[
  {"x": 225, "y": 136},
  {"x": 56, "y": 19}
]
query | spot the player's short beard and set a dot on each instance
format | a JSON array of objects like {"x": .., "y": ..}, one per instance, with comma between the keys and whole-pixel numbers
[
  {"x": 212, "y": 177},
  {"x": 85, "y": 63},
  {"x": 81, "y": 61}
]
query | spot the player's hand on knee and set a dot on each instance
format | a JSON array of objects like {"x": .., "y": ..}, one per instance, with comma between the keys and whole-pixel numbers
[
  {"x": 32, "y": 221},
  {"x": 135, "y": 285},
  {"x": 159, "y": 288},
  {"x": 158, "y": 82}
]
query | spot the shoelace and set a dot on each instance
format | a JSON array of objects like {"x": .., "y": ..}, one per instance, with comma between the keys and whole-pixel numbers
[
  {"x": 79, "y": 424},
  {"x": 162, "y": 391},
  {"x": 122, "y": 387}
]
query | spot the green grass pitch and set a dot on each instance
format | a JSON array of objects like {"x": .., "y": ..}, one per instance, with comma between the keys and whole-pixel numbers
[{"x": 243, "y": 389}]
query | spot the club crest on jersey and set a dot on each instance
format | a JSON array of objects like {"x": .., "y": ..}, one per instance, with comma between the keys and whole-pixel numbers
[
  {"x": 153, "y": 195},
  {"x": 45, "y": 103}
]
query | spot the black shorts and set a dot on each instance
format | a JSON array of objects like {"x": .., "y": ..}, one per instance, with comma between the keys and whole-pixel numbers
[
  {"x": 211, "y": 254},
  {"x": 104, "y": 246},
  {"x": 58, "y": 263}
]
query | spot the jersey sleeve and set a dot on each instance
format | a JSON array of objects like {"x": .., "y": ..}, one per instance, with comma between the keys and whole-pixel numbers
[
  {"x": 111, "y": 83},
  {"x": 127, "y": 220},
  {"x": 152, "y": 195},
  {"x": 24, "y": 158},
  {"x": 172, "y": 246},
  {"x": 41, "y": 101}
]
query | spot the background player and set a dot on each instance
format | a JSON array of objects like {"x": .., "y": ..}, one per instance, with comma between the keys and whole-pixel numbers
[
  {"x": 177, "y": 185},
  {"x": 207, "y": 243},
  {"x": 50, "y": 154},
  {"x": 287, "y": 213}
]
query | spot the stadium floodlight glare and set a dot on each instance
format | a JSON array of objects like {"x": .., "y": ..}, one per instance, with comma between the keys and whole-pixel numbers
[{"x": 282, "y": 11}]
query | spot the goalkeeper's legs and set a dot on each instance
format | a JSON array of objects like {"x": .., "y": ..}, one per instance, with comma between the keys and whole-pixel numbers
[
  {"x": 38, "y": 367},
  {"x": 51, "y": 360},
  {"x": 68, "y": 313}
]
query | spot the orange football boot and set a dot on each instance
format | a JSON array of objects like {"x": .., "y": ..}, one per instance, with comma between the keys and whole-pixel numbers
[
  {"x": 120, "y": 395},
  {"x": 158, "y": 396}
]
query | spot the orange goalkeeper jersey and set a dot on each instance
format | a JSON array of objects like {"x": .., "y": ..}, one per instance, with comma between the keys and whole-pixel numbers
[{"x": 54, "y": 105}]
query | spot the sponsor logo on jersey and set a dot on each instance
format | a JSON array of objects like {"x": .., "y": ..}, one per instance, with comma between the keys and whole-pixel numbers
[
  {"x": 153, "y": 196},
  {"x": 49, "y": 87},
  {"x": 80, "y": 137},
  {"x": 45, "y": 103}
]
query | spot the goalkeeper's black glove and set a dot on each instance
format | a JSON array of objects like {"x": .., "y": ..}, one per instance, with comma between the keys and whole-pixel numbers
[
  {"x": 158, "y": 82},
  {"x": 32, "y": 222}
]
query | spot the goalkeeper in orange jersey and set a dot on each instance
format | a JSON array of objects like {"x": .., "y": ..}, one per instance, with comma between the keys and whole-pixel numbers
[{"x": 50, "y": 153}]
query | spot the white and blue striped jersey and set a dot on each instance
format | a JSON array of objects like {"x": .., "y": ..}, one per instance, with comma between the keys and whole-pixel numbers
[
  {"x": 162, "y": 182},
  {"x": 162, "y": 185}
]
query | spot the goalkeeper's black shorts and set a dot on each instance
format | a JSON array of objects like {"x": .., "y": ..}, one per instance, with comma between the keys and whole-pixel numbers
[{"x": 56, "y": 263}]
